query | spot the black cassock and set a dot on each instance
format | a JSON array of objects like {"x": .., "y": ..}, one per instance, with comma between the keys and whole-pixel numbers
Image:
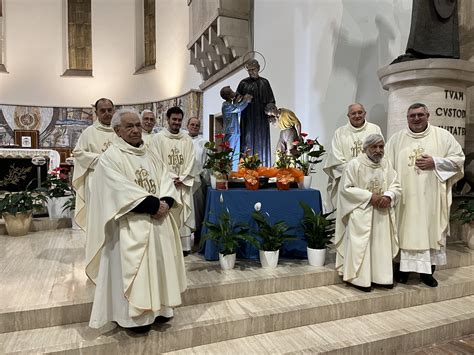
[{"x": 254, "y": 124}]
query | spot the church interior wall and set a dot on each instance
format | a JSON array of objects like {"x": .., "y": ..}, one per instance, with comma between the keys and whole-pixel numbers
[
  {"x": 35, "y": 55},
  {"x": 323, "y": 55}
]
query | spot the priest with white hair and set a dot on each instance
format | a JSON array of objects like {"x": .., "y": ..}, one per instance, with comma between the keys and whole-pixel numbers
[
  {"x": 148, "y": 120},
  {"x": 133, "y": 249},
  {"x": 366, "y": 235}
]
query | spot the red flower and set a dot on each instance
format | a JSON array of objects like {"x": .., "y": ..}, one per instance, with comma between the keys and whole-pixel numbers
[
  {"x": 296, "y": 142},
  {"x": 310, "y": 141},
  {"x": 304, "y": 134},
  {"x": 63, "y": 176},
  {"x": 219, "y": 135}
]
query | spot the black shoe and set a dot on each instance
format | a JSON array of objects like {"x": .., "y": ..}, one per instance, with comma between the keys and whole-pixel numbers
[
  {"x": 161, "y": 319},
  {"x": 428, "y": 280},
  {"x": 186, "y": 253},
  {"x": 140, "y": 330},
  {"x": 388, "y": 286},
  {"x": 402, "y": 277},
  {"x": 361, "y": 288}
]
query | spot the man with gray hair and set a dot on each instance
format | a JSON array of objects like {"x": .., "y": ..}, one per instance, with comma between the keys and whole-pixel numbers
[
  {"x": 428, "y": 161},
  {"x": 133, "y": 248},
  {"x": 346, "y": 145},
  {"x": 148, "y": 120},
  {"x": 366, "y": 235}
]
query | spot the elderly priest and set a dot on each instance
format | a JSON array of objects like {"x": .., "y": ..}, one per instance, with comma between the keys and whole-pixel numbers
[
  {"x": 366, "y": 235},
  {"x": 133, "y": 250},
  {"x": 428, "y": 161}
]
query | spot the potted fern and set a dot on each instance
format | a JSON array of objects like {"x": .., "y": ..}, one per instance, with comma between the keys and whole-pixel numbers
[
  {"x": 17, "y": 210},
  {"x": 272, "y": 237},
  {"x": 227, "y": 235},
  {"x": 318, "y": 231}
]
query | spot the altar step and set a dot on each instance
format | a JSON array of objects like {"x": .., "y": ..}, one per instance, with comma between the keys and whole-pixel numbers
[
  {"x": 334, "y": 318},
  {"x": 206, "y": 283},
  {"x": 391, "y": 332}
]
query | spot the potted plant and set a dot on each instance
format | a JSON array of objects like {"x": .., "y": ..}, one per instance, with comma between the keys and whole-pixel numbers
[
  {"x": 17, "y": 210},
  {"x": 465, "y": 215},
  {"x": 272, "y": 237},
  {"x": 318, "y": 231},
  {"x": 57, "y": 189},
  {"x": 249, "y": 165},
  {"x": 219, "y": 162},
  {"x": 284, "y": 163},
  {"x": 227, "y": 234},
  {"x": 308, "y": 152}
]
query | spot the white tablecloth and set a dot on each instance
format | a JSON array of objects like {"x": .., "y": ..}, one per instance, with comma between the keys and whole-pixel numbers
[{"x": 54, "y": 158}]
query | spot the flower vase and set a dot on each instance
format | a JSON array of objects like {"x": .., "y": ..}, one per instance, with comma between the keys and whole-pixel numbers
[
  {"x": 213, "y": 181},
  {"x": 269, "y": 259},
  {"x": 306, "y": 183},
  {"x": 55, "y": 207},
  {"x": 282, "y": 186},
  {"x": 250, "y": 186},
  {"x": 227, "y": 262},
  {"x": 17, "y": 224},
  {"x": 316, "y": 257}
]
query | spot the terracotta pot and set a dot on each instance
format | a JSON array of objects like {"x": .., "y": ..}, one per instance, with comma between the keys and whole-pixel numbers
[
  {"x": 249, "y": 186},
  {"x": 19, "y": 224},
  {"x": 282, "y": 186}
]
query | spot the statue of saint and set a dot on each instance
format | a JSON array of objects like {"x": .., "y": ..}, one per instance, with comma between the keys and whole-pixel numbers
[
  {"x": 254, "y": 125},
  {"x": 434, "y": 31}
]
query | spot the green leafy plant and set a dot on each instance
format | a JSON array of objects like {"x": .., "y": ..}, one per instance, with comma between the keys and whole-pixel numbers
[
  {"x": 284, "y": 161},
  {"x": 70, "y": 205},
  {"x": 465, "y": 212},
  {"x": 227, "y": 234},
  {"x": 56, "y": 184},
  {"x": 219, "y": 156},
  {"x": 249, "y": 161},
  {"x": 308, "y": 152},
  {"x": 318, "y": 228},
  {"x": 21, "y": 202},
  {"x": 272, "y": 235}
]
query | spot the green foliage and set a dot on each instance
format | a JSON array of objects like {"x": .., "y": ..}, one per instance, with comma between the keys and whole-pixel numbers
[
  {"x": 23, "y": 201},
  {"x": 308, "y": 152},
  {"x": 56, "y": 184},
  {"x": 284, "y": 161},
  {"x": 219, "y": 157},
  {"x": 249, "y": 161},
  {"x": 272, "y": 236},
  {"x": 70, "y": 205},
  {"x": 227, "y": 234},
  {"x": 465, "y": 212},
  {"x": 318, "y": 228}
]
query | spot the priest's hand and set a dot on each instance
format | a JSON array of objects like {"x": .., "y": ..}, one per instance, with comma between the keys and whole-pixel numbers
[
  {"x": 384, "y": 202},
  {"x": 426, "y": 162},
  {"x": 162, "y": 211},
  {"x": 374, "y": 200},
  {"x": 177, "y": 182}
]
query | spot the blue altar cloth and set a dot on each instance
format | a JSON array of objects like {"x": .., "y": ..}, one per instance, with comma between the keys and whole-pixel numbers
[{"x": 280, "y": 205}]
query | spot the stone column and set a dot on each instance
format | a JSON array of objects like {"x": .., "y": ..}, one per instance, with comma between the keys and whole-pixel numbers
[{"x": 441, "y": 84}]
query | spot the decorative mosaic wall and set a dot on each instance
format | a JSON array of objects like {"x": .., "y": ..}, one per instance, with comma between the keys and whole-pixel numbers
[{"x": 62, "y": 126}]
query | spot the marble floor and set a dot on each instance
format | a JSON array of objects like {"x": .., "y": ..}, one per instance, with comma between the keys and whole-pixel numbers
[{"x": 44, "y": 293}]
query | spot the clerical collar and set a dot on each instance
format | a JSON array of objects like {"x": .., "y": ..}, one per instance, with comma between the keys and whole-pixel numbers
[
  {"x": 102, "y": 127},
  {"x": 364, "y": 159},
  {"x": 357, "y": 129},
  {"x": 419, "y": 134},
  {"x": 169, "y": 134}
]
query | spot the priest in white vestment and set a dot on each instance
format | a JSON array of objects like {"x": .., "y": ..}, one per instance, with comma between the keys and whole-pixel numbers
[
  {"x": 346, "y": 145},
  {"x": 93, "y": 141},
  {"x": 202, "y": 177},
  {"x": 428, "y": 161},
  {"x": 176, "y": 150},
  {"x": 133, "y": 250},
  {"x": 148, "y": 119},
  {"x": 366, "y": 235}
]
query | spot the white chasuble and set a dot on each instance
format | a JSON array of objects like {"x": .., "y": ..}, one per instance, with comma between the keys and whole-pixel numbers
[
  {"x": 346, "y": 145},
  {"x": 133, "y": 254},
  {"x": 147, "y": 138},
  {"x": 366, "y": 237},
  {"x": 93, "y": 141},
  {"x": 177, "y": 153},
  {"x": 200, "y": 154},
  {"x": 423, "y": 213}
]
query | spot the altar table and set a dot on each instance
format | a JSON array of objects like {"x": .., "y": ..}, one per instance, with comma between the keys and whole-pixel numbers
[{"x": 280, "y": 205}]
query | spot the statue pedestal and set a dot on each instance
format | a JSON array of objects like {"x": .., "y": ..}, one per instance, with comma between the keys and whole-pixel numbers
[{"x": 440, "y": 84}]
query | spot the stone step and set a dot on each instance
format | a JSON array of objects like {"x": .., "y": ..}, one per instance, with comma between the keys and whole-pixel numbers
[
  {"x": 206, "y": 283},
  {"x": 207, "y": 323},
  {"x": 390, "y": 332}
]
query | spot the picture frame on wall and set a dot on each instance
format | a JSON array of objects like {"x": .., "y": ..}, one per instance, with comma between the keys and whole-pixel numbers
[{"x": 26, "y": 138}]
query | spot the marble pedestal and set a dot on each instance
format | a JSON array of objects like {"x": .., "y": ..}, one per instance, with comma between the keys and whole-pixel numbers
[{"x": 441, "y": 84}]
